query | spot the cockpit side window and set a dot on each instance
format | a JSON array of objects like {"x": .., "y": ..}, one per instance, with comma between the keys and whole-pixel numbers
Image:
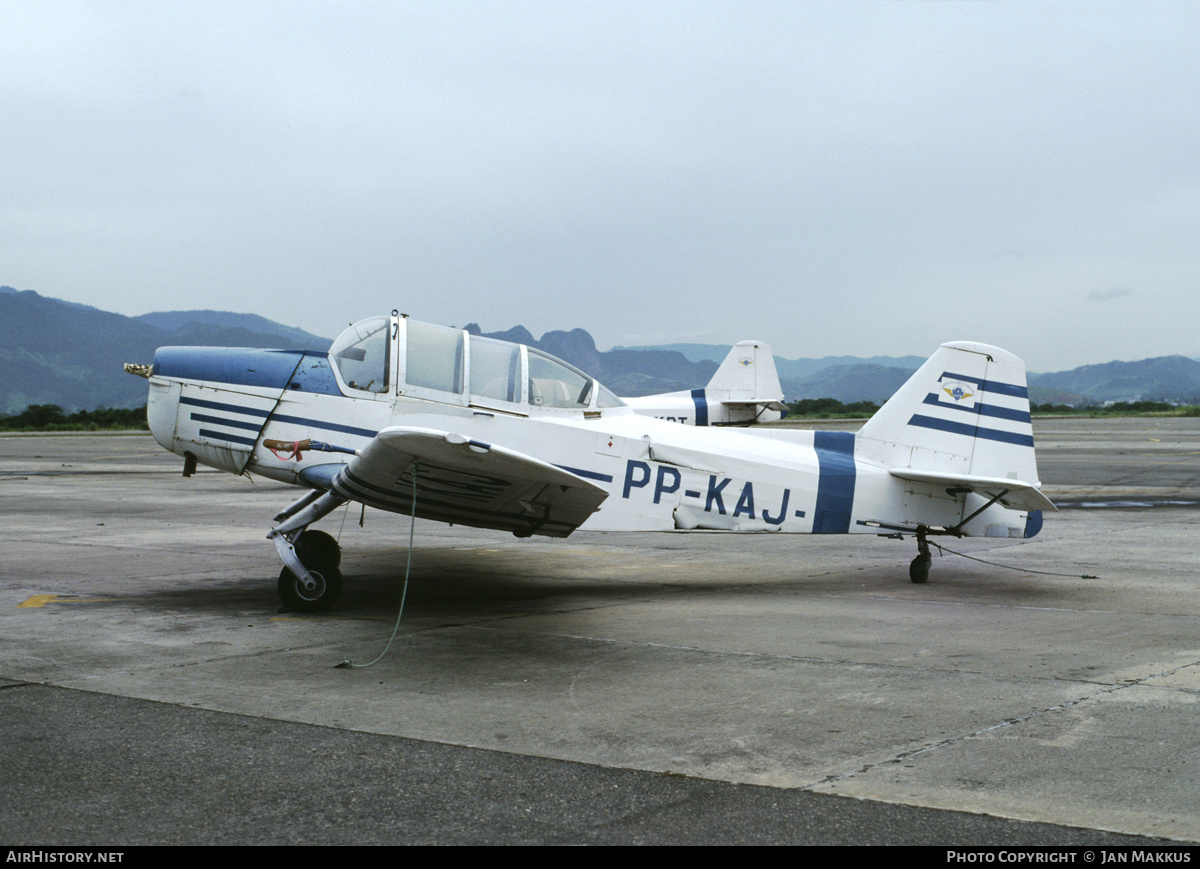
[
  {"x": 495, "y": 370},
  {"x": 361, "y": 355},
  {"x": 434, "y": 359}
]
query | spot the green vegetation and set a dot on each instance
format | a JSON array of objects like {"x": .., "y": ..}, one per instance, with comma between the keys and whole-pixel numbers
[
  {"x": 830, "y": 408},
  {"x": 1119, "y": 408},
  {"x": 50, "y": 417}
]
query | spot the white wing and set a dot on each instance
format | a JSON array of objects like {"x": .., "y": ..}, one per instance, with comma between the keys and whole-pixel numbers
[{"x": 467, "y": 482}]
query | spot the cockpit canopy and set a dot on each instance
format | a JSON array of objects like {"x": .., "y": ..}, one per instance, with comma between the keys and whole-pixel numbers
[{"x": 382, "y": 355}]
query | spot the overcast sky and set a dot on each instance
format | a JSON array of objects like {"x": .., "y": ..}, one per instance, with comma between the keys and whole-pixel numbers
[{"x": 831, "y": 177}]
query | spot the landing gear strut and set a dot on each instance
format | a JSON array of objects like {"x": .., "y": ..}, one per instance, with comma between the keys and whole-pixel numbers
[
  {"x": 311, "y": 580},
  {"x": 918, "y": 571},
  {"x": 320, "y": 555}
]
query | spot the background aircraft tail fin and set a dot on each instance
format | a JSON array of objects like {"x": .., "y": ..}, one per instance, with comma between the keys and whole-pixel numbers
[
  {"x": 747, "y": 375},
  {"x": 964, "y": 412}
]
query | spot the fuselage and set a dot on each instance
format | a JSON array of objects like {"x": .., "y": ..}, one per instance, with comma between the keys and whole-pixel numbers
[{"x": 249, "y": 411}]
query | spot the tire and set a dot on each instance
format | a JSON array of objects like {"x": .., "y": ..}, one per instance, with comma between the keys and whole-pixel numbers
[
  {"x": 317, "y": 547},
  {"x": 918, "y": 571},
  {"x": 323, "y": 598}
]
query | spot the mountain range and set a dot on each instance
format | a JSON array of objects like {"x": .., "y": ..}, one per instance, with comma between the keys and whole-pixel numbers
[
  {"x": 56, "y": 352},
  {"x": 65, "y": 353}
]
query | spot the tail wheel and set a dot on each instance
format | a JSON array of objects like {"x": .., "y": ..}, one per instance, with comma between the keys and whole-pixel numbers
[
  {"x": 918, "y": 571},
  {"x": 323, "y": 596}
]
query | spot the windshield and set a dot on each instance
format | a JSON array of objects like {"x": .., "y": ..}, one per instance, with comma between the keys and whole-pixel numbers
[{"x": 361, "y": 355}]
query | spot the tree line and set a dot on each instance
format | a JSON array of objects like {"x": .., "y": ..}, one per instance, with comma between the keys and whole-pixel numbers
[
  {"x": 51, "y": 417},
  {"x": 831, "y": 408},
  {"x": 1119, "y": 408}
]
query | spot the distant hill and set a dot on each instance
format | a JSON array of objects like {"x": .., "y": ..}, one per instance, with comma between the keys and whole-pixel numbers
[
  {"x": 809, "y": 368},
  {"x": 823, "y": 377},
  {"x": 852, "y": 378},
  {"x": 1166, "y": 378},
  {"x": 691, "y": 352},
  {"x": 631, "y": 372},
  {"x": 849, "y": 383},
  {"x": 64, "y": 353},
  {"x": 223, "y": 322}
]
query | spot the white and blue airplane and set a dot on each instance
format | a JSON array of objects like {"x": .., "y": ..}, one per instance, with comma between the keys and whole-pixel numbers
[
  {"x": 421, "y": 419},
  {"x": 744, "y": 390}
]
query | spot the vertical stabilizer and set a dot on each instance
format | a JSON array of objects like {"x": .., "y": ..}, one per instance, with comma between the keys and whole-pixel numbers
[
  {"x": 747, "y": 375},
  {"x": 744, "y": 390},
  {"x": 965, "y": 411}
]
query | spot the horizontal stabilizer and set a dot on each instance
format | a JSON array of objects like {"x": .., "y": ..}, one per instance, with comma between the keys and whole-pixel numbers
[
  {"x": 769, "y": 405},
  {"x": 1014, "y": 494}
]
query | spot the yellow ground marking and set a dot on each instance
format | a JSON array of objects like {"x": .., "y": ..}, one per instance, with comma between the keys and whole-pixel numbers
[
  {"x": 40, "y": 600},
  {"x": 312, "y": 617}
]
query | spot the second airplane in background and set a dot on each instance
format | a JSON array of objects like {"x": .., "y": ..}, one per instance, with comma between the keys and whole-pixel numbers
[{"x": 745, "y": 390}]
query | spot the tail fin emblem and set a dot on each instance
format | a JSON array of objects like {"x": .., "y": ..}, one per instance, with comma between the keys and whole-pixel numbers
[{"x": 958, "y": 390}]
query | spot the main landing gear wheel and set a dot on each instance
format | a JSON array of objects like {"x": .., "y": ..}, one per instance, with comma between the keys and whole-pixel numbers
[
  {"x": 321, "y": 555},
  {"x": 319, "y": 548},
  {"x": 323, "y": 596}
]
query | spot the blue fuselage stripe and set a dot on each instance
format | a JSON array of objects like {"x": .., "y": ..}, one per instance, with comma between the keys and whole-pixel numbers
[
  {"x": 835, "y": 483},
  {"x": 1008, "y": 413},
  {"x": 224, "y": 436},
  {"x": 228, "y": 408},
  {"x": 589, "y": 475},
  {"x": 971, "y": 431},
  {"x": 263, "y": 414},
  {"x": 231, "y": 423},
  {"x": 327, "y": 426},
  {"x": 990, "y": 385},
  {"x": 701, "y": 402}
]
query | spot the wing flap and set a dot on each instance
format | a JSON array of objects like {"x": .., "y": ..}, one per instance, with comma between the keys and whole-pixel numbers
[
  {"x": 467, "y": 482},
  {"x": 1014, "y": 494}
]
